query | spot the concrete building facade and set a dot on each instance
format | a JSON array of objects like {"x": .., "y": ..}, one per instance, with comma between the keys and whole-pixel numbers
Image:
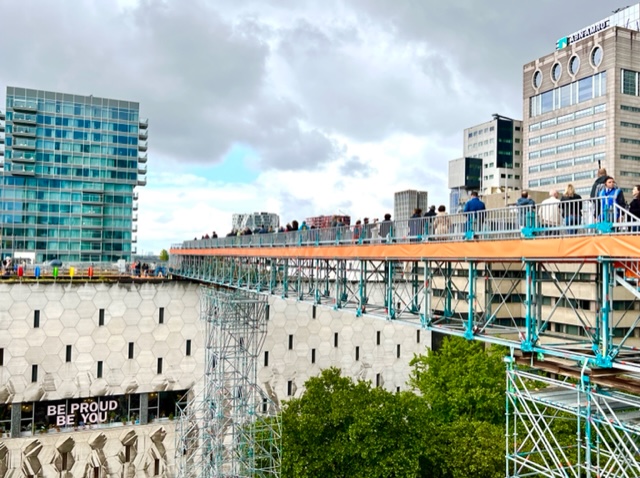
[
  {"x": 90, "y": 372},
  {"x": 582, "y": 109}
]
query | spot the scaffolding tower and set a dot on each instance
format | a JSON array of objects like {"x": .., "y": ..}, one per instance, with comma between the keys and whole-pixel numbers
[
  {"x": 569, "y": 426},
  {"x": 230, "y": 428}
]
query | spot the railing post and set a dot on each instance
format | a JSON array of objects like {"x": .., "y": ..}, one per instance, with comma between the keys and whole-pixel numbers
[
  {"x": 362, "y": 289},
  {"x": 470, "y": 328},
  {"x": 285, "y": 278},
  {"x": 426, "y": 316},
  {"x": 529, "y": 222},
  {"x": 604, "y": 357},
  {"x": 531, "y": 338},
  {"x": 389, "y": 266},
  {"x": 469, "y": 224},
  {"x": 448, "y": 296}
]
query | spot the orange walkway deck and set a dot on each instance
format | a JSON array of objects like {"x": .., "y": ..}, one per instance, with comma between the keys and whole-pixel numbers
[{"x": 568, "y": 248}]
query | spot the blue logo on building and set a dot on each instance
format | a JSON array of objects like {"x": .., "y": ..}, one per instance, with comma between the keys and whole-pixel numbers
[{"x": 562, "y": 43}]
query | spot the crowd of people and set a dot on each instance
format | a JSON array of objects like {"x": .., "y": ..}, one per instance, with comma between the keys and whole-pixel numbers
[{"x": 557, "y": 210}]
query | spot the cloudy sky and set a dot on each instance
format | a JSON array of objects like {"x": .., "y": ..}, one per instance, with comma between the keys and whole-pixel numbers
[{"x": 297, "y": 107}]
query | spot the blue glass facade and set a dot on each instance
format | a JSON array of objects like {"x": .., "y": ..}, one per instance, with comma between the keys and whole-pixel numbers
[{"x": 70, "y": 169}]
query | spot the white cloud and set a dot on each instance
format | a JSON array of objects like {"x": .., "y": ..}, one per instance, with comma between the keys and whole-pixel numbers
[{"x": 343, "y": 102}]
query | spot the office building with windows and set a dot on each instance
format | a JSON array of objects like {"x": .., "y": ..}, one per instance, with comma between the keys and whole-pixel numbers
[
  {"x": 71, "y": 166},
  {"x": 464, "y": 177},
  {"x": 582, "y": 107},
  {"x": 498, "y": 143}
]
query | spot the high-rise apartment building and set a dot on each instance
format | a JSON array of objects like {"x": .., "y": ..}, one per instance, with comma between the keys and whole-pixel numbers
[
  {"x": 71, "y": 166},
  {"x": 582, "y": 107},
  {"x": 404, "y": 202},
  {"x": 255, "y": 220},
  {"x": 498, "y": 143}
]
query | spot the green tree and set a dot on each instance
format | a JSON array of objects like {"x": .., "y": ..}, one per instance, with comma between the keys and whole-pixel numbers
[
  {"x": 462, "y": 381},
  {"x": 164, "y": 255},
  {"x": 341, "y": 428}
]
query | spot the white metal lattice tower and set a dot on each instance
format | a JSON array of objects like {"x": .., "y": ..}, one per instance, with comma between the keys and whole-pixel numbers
[
  {"x": 569, "y": 427},
  {"x": 231, "y": 428}
]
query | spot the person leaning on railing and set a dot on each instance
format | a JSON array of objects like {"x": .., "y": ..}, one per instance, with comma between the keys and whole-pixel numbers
[{"x": 571, "y": 207}]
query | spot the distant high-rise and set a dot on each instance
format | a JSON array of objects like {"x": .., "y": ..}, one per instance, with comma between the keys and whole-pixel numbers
[
  {"x": 67, "y": 186},
  {"x": 498, "y": 143},
  {"x": 404, "y": 203}
]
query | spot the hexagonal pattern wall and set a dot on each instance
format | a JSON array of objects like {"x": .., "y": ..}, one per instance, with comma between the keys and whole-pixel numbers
[
  {"x": 106, "y": 322},
  {"x": 98, "y": 321}
]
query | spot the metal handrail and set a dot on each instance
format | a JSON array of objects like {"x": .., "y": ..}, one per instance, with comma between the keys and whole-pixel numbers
[{"x": 566, "y": 218}]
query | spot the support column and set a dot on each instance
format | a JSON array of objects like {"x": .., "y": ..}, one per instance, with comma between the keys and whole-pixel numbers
[
  {"x": 144, "y": 408},
  {"x": 16, "y": 417},
  {"x": 448, "y": 292},
  {"x": 426, "y": 317},
  {"x": 530, "y": 339},
  {"x": 362, "y": 289},
  {"x": 604, "y": 356},
  {"x": 470, "y": 328}
]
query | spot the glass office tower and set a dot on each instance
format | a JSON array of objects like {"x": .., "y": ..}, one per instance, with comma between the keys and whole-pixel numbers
[{"x": 71, "y": 166}]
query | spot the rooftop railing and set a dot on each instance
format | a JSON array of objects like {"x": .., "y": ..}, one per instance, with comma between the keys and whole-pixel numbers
[{"x": 572, "y": 218}]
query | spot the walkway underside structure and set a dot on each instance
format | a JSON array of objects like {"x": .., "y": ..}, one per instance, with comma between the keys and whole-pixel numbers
[
  {"x": 567, "y": 306},
  {"x": 229, "y": 428}
]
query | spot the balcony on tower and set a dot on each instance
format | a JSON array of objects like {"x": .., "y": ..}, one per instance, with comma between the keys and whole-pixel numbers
[
  {"x": 24, "y": 118},
  {"x": 134, "y": 207},
  {"x": 142, "y": 135},
  {"x": 24, "y": 144},
  {"x": 134, "y": 228},
  {"x": 142, "y": 180},
  {"x": 142, "y": 169},
  {"x": 2, "y": 116},
  {"x": 142, "y": 146},
  {"x": 24, "y": 131},
  {"x": 143, "y": 123},
  {"x": 134, "y": 239},
  {"x": 134, "y": 217},
  {"x": 142, "y": 158},
  {"x": 135, "y": 195},
  {"x": 22, "y": 169},
  {"x": 27, "y": 106}
]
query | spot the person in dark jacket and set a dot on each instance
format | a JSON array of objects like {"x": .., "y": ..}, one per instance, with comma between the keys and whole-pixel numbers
[
  {"x": 475, "y": 206},
  {"x": 634, "y": 207},
  {"x": 415, "y": 224},
  {"x": 598, "y": 184},
  {"x": 431, "y": 212},
  {"x": 526, "y": 208},
  {"x": 386, "y": 228}
]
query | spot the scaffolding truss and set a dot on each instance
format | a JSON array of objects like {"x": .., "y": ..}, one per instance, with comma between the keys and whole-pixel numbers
[
  {"x": 230, "y": 428},
  {"x": 569, "y": 427}
]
